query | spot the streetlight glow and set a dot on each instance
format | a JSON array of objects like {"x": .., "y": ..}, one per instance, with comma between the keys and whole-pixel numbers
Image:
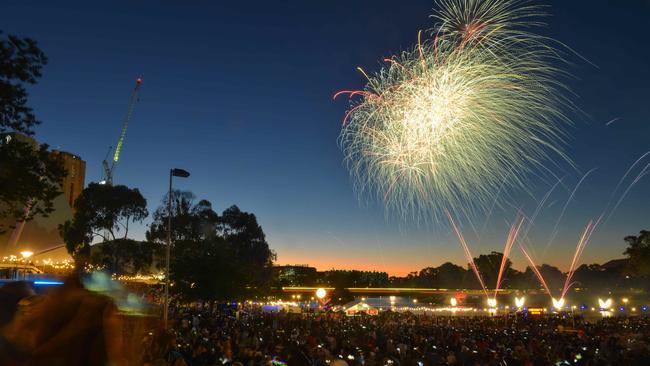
[
  {"x": 519, "y": 301},
  {"x": 605, "y": 304}
]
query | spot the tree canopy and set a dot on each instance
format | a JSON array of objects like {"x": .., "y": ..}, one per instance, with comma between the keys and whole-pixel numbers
[
  {"x": 638, "y": 252},
  {"x": 102, "y": 211},
  {"x": 29, "y": 176},
  {"x": 213, "y": 256}
]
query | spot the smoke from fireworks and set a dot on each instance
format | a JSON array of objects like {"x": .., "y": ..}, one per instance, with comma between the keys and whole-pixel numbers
[{"x": 476, "y": 105}]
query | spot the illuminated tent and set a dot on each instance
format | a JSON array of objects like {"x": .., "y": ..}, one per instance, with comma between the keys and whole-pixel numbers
[{"x": 358, "y": 308}]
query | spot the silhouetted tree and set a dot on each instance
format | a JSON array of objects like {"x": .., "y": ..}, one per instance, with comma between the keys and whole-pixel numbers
[
  {"x": 126, "y": 256},
  {"x": 553, "y": 276},
  {"x": 488, "y": 266},
  {"x": 214, "y": 257},
  {"x": 450, "y": 275},
  {"x": 190, "y": 221},
  {"x": 638, "y": 252},
  {"x": 102, "y": 211},
  {"x": 247, "y": 241},
  {"x": 596, "y": 276},
  {"x": 29, "y": 176},
  {"x": 447, "y": 275},
  {"x": 205, "y": 270}
]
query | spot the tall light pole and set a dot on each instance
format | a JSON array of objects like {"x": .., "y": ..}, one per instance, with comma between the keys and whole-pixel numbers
[
  {"x": 25, "y": 254},
  {"x": 172, "y": 173}
]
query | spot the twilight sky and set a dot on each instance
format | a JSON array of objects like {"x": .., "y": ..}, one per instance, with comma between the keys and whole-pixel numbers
[{"x": 240, "y": 94}]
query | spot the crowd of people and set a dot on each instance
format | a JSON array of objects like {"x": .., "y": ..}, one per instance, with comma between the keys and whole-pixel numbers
[
  {"x": 74, "y": 326},
  {"x": 251, "y": 337}
]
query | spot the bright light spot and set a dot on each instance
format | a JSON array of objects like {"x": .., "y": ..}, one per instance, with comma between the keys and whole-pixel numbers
[
  {"x": 558, "y": 304},
  {"x": 453, "y": 302},
  {"x": 48, "y": 283},
  {"x": 492, "y": 303},
  {"x": 321, "y": 293},
  {"x": 26, "y": 254},
  {"x": 605, "y": 304},
  {"x": 519, "y": 301}
]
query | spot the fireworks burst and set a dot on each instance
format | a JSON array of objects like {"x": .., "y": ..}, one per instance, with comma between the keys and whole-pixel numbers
[{"x": 476, "y": 105}]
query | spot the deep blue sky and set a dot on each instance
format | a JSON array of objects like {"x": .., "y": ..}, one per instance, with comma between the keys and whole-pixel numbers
[{"x": 239, "y": 94}]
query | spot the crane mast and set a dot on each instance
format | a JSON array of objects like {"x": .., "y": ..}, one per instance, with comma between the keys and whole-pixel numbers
[{"x": 110, "y": 167}]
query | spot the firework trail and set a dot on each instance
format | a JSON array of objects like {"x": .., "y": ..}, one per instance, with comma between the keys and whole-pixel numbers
[
  {"x": 512, "y": 238},
  {"x": 566, "y": 204},
  {"x": 510, "y": 241},
  {"x": 539, "y": 207},
  {"x": 440, "y": 126},
  {"x": 580, "y": 247},
  {"x": 639, "y": 176},
  {"x": 612, "y": 121},
  {"x": 535, "y": 269},
  {"x": 468, "y": 254}
]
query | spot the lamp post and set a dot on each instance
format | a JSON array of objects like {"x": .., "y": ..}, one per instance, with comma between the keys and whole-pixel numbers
[
  {"x": 172, "y": 173},
  {"x": 26, "y": 254}
]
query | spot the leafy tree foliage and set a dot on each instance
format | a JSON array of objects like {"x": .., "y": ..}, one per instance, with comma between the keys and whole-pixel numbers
[
  {"x": 29, "y": 176},
  {"x": 102, "y": 211},
  {"x": 340, "y": 279},
  {"x": 21, "y": 62},
  {"x": 638, "y": 252},
  {"x": 190, "y": 221},
  {"x": 595, "y": 275},
  {"x": 205, "y": 270},
  {"x": 488, "y": 265},
  {"x": 213, "y": 256},
  {"x": 248, "y": 244},
  {"x": 447, "y": 275},
  {"x": 125, "y": 256}
]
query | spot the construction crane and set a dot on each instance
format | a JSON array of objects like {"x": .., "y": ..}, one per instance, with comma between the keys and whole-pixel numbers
[{"x": 109, "y": 167}]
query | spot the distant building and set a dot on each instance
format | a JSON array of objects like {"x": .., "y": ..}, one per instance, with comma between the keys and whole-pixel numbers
[
  {"x": 304, "y": 275},
  {"x": 75, "y": 181},
  {"x": 42, "y": 232},
  {"x": 295, "y": 275}
]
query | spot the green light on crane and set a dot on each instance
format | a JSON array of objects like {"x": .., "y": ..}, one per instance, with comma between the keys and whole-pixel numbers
[{"x": 108, "y": 169}]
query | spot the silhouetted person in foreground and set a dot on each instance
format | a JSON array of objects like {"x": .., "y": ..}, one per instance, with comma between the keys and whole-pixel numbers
[
  {"x": 10, "y": 296},
  {"x": 70, "y": 326}
]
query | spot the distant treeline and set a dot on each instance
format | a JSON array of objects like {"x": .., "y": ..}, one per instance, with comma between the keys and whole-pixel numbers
[{"x": 630, "y": 272}]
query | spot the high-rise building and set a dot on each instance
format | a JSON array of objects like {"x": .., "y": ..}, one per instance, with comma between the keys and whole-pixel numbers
[
  {"x": 42, "y": 232},
  {"x": 74, "y": 182}
]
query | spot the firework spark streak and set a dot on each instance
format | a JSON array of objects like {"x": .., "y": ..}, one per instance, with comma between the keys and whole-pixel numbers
[
  {"x": 440, "y": 126},
  {"x": 533, "y": 266},
  {"x": 580, "y": 247},
  {"x": 566, "y": 204},
  {"x": 510, "y": 241},
  {"x": 468, "y": 254},
  {"x": 643, "y": 172}
]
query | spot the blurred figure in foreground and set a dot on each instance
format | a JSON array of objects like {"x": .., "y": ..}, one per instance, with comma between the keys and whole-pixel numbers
[{"x": 70, "y": 326}]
